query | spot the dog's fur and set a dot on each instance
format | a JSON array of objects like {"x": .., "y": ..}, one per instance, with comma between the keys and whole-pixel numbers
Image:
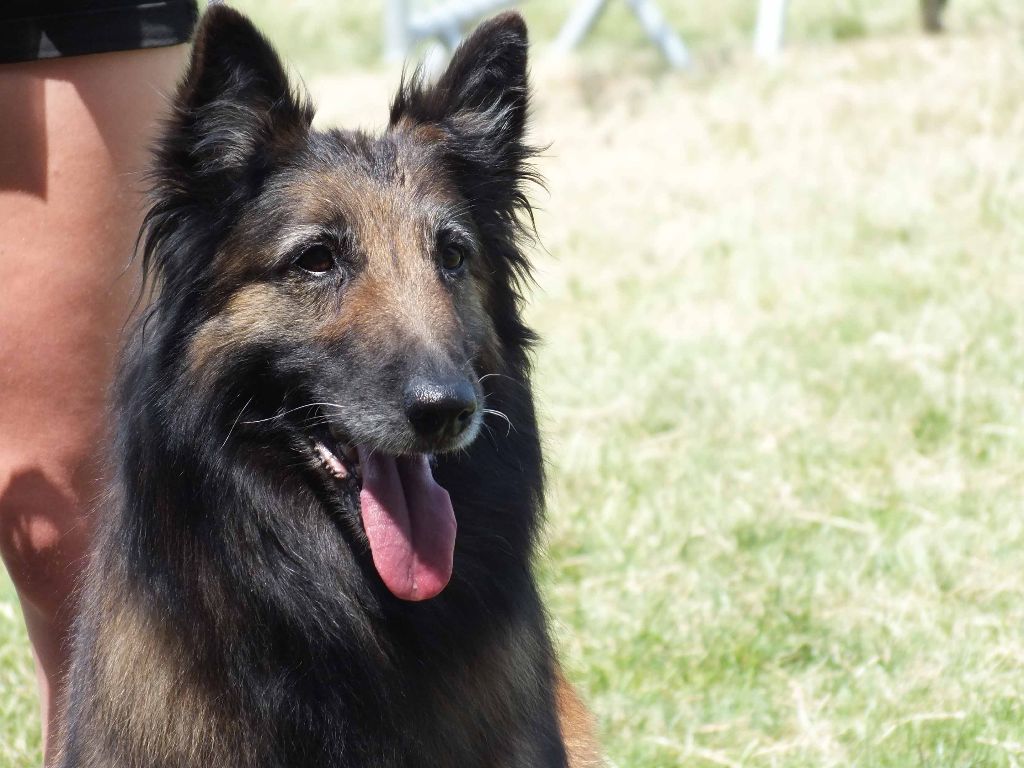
[{"x": 232, "y": 615}]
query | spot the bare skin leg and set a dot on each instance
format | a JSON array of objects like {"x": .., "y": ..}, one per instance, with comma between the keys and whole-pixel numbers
[{"x": 72, "y": 152}]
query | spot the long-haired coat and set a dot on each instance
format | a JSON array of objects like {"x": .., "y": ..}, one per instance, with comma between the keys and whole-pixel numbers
[{"x": 327, "y": 485}]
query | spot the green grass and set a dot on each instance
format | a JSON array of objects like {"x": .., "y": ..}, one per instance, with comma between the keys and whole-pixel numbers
[
  {"x": 19, "y": 716},
  {"x": 782, "y": 384}
]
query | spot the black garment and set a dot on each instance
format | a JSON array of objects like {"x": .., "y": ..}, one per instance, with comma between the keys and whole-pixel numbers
[{"x": 44, "y": 29}]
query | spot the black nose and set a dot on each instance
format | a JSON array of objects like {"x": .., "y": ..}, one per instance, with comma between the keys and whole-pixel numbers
[{"x": 439, "y": 409}]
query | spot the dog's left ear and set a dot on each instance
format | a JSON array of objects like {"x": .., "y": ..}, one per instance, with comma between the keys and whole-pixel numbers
[
  {"x": 234, "y": 118},
  {"x": 480, "y": 104},
  {"x": 235, "y": 111}
]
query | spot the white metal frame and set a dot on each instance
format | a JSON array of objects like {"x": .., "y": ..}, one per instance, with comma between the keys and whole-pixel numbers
[
  {"x": 405, "y": 25},
  {"x": 771, "y": 27},
  {"x": 647, "y": 12}
]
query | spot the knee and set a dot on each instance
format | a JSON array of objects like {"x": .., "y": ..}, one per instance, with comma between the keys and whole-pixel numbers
[{"x": 44, "y": 534}]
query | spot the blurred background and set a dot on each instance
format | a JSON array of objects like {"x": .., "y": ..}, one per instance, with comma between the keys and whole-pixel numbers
[{"x": 781, "y": 377}]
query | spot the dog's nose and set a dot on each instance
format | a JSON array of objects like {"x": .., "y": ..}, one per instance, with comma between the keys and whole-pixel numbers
[{"x": 439, "y": 408}]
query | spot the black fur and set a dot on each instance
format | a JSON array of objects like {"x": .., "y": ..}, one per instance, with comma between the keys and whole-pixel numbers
[{"x": 231, "y": 616}]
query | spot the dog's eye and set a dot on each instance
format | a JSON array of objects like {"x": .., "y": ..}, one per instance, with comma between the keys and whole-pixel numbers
[
  {"x": 453, "y": 257},
  {"x": 316, "y": 259}
]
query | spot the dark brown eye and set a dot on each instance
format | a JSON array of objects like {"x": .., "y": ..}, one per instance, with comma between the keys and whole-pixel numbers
[
  {"x": 316, "y": 259},
  {"x": 453, "y": 257}
]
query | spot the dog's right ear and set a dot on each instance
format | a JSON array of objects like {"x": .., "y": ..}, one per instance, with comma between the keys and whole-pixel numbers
[
  {"x": 479, "y": 104},
  {"x": 234, "y": 114}
]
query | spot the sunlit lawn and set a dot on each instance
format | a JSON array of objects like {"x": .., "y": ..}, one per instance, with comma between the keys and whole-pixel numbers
[{"x": 782, "y": 383}]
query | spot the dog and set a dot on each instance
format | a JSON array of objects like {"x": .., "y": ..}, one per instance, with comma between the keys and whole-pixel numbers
[{"x": 316, "y": 551}]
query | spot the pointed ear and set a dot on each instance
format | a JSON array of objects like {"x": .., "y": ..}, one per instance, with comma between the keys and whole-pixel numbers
[
  {"x": 234, "y": 113},
  {"x": 487, "y": 75},
  {"x": 480, "y": 102}
]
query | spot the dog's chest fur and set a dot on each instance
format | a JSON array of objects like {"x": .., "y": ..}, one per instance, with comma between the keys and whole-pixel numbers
[{"x": 490, "y": 708}]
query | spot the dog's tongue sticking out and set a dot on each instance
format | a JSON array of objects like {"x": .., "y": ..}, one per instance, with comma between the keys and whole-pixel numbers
[{"x": 410, "y": 523}]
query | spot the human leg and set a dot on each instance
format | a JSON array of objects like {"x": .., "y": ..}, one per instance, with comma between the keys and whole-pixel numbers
[{"x": 72, "y": 153}]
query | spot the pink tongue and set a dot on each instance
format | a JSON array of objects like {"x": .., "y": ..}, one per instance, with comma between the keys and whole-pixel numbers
[{"x": 410, "y": 523}]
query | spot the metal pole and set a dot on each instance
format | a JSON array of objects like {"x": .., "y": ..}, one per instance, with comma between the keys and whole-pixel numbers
[
  {"x": 583, "y": 16},
  {"x": 396, "y": 29},
  {"x": 660, "y": 32},
  {"x": 771, "y": 25}
]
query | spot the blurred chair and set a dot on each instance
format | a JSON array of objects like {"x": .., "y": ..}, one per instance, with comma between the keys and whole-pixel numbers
[{"x": 409, "y": 22}]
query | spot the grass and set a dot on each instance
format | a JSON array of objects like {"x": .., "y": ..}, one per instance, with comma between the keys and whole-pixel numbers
[{"x": 782, "y": 383}]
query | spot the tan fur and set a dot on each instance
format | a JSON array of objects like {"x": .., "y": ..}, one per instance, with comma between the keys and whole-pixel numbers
[
  {"x": 251, "y": 312},
  {"x": 141, "y": 693},
  {"x": 426, "y": 133},
  {"x": 577, "y": 726},
  {"x": 399, "y": 295}
]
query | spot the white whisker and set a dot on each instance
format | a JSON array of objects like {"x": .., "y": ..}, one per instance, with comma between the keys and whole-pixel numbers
[
  {"x": 235, "y": 422},
  {"x": 496, "y": 412},
  {"x": 291, "y": 410}
]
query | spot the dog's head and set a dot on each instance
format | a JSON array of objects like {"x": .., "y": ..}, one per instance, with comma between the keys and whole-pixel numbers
[{"x": 345, "y": 295}]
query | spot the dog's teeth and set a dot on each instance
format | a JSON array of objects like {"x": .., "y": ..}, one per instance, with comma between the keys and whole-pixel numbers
[{"x": 330, "y": 461}]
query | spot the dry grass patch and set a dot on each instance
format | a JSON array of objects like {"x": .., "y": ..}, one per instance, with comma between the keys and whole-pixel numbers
[{"x": 782, "y": 376}]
